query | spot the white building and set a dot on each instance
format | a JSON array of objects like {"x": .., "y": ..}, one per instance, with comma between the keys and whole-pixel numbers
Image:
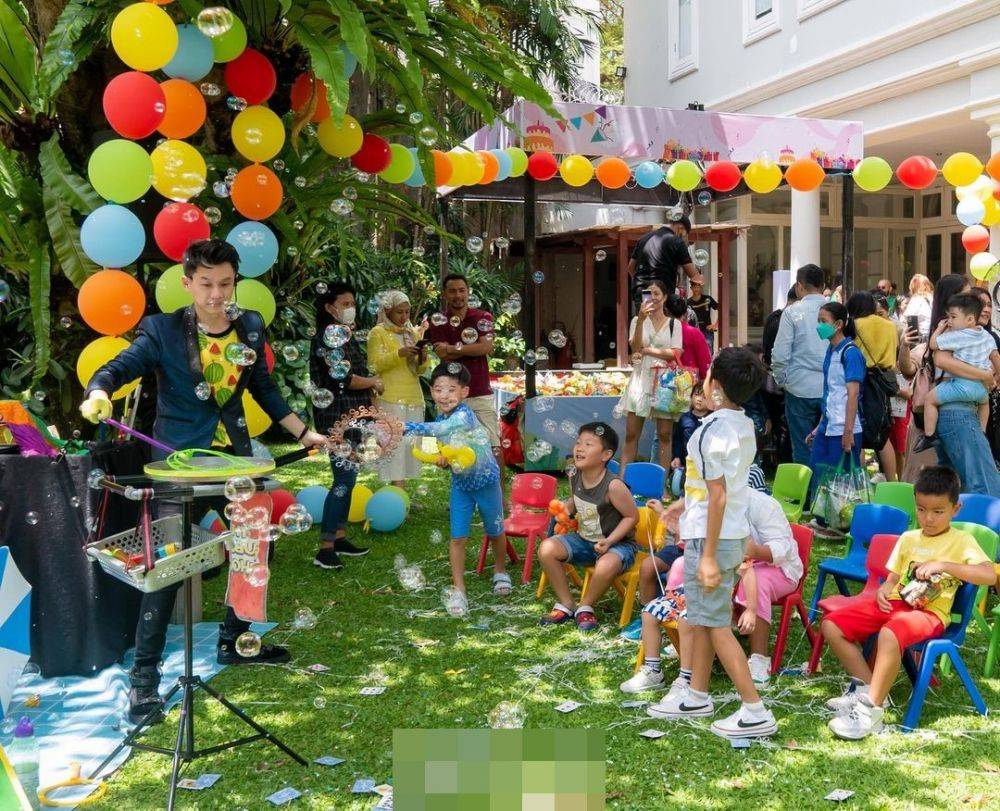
[{"x": 923, "y": 76}]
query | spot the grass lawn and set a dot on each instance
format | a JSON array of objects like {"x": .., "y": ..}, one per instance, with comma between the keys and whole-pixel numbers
[{"x": 445, "y": 672}]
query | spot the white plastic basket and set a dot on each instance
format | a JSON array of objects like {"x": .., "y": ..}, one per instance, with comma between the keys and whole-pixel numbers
[{"x": 206, "y": 552}]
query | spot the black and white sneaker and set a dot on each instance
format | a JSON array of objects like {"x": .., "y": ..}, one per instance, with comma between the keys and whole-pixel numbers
[
  {"x": 328, "y": 558},
  {"x": 225, "y": 654},
  {"x": 746, "y": 723},
  {"x": 344, "y": 547},
  {"x": 679, "y": 703}
]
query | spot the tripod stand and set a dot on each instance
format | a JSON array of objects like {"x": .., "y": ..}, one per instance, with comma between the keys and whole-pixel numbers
[{"x": 184, "y": 749}]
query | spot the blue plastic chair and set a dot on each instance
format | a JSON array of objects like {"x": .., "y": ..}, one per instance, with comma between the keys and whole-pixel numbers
[
  {"x": 979, "y": 509},
  {"x": 947, "y": 644},
  {"x": 613, "y": 466},
  {"x": 868, "y": 520},
  {"x": 645, "y": 480}
]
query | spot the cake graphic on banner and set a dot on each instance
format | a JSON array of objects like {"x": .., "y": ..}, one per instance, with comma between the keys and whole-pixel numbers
[
  {"x": 538, "y": 138},
  {"x": 786, "y": 157}
]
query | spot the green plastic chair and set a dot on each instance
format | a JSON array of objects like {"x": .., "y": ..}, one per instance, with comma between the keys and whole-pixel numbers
[
  {"x": 791, "y": 489},
  {"x": 993, "y": 651},
  {"x": 897, "y": 494},
  {"x": 988, "y": 541}
]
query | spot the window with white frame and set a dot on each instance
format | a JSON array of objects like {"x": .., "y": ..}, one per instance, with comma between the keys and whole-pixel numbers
[
  {"x": 761, "y": 18},
  {"x": 808, "y": 8},
  {"x": 682, "y": 30}
]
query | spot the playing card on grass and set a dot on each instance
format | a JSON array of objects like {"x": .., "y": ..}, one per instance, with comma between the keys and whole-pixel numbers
[{"x": 568, "y": 706}]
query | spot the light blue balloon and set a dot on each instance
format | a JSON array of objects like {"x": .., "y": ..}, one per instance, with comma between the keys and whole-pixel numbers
[
  {"x": 350, "y": 61},
  {"x": 649, "y": 175},
  {"x": 417, "y": 178},
  {"x": 257, "y": 246},
  {"x": 194, "y": 57},
  {"x": 385, "y": 511},
  {"x": 112, "y": 236},
  {"x": 505, "y": 161},
  {"x": 313, "y": 498}
]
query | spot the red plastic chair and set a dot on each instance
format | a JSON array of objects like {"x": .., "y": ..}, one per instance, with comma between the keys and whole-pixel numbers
[
  {"x": 530, "y": 494},
  {"x": 879, "y": 550},
  {"x": 794, "y": 602}
]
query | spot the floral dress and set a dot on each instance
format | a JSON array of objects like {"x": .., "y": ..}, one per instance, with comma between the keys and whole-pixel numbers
[{"x": 638, "y": 395}]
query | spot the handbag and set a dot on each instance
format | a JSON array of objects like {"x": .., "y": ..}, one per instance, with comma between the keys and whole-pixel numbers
[
  {"x": 672, "y": 387},
  {"x": 840, "y": 490}
]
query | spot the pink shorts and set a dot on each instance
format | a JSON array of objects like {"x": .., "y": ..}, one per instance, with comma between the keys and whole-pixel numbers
[{"x": 772, "y": 585}]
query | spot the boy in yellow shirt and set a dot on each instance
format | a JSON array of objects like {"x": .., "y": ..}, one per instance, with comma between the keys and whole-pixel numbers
[{"x": 926, "y": 568}]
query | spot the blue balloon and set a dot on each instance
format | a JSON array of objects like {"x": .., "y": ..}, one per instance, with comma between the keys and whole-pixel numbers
[
  {"x": 649, "y": 175},
  {"x": 194, "y": 56},
  {"x": 257, "y": 246},
  {"x": 417, "y": 178},
  {"x": 350, "y": 61},
  {"x": 112, "y": 236},
  {"x": 386, "y": 511},
  {"x": 505, "y": 161},
  {"x": 313, "y": 498}
]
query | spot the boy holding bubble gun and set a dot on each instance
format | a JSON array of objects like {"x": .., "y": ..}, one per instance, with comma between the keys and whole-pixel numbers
[{"x": 475, "y": 479}]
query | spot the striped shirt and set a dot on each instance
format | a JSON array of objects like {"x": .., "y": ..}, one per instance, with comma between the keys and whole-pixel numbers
[{"x": 973, "y": 346}]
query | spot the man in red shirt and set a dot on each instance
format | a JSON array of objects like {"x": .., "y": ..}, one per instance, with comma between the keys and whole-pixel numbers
[{"x": 453, "y": 340}]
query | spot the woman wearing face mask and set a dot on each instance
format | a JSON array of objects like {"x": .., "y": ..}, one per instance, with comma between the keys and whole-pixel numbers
[
  {"x": 839, "y": 429},
  {"x": 340, "y": 370},
  {"x": 394, "y": 355}
]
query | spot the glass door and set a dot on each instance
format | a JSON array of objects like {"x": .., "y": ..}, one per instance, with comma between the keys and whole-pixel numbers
[{"x": 903, "y": 257}]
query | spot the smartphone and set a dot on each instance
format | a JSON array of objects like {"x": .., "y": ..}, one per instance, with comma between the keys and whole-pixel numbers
[
  {"x": 912, "y": 323},
  {"x": 646, "y": 296}
]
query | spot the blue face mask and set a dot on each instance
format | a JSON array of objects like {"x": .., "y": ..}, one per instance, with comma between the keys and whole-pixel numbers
[{"x": 825, "y": 331}]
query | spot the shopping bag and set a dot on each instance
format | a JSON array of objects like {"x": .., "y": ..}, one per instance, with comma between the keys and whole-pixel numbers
[
  {"x": 672, "y": 390},
  {"x": 840, "y": 490}
]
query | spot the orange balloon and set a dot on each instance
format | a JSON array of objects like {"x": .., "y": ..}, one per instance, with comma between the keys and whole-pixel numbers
[
  {"x": 993, "y": 166},
  {"x": 442, "y": 168},
  {"x": 111, "y": 302},
  {"x": 613, "y": 173},
  {"x": 303, "y": 89},
  {"x": 256, "y": 192},
  {"x": 804, "y": 175},
  {"x": 185, "y": 109},
  {"x": 492, "y": 167}
]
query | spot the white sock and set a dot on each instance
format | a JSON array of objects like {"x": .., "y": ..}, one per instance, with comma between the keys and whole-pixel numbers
[
  {"x": 756, "y": 708},
  {"x": 698, "y": 695}
]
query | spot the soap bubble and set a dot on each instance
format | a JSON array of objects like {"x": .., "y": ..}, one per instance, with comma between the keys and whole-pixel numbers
[
  {"x": 542, "y": 404},
  {"x": 240, "y": 488},
  {"x": 341, "y": 207},
  {"x": 470, "y": 335},
  {"x": 319, "y": 702},
  {"x": 400, "y": 108},
  {"x": 455, "y": 321},
  {"x": 419, "y": 251},
  {"x": 322, "y": 398},
  {"x": 427, "y": 136},
  {"x": 416, "y": 117},
  {"x": 74, "y": 501},
  {"x": 295, "y": 522},
  {"x": 542, "y": 353},
  {"x": 291, "y": 250},
  {"x": 202, "y": 391},
  {"x": 350, "y": 193},
  {"x": 4, "y": 291},
  {"x": 674, "y": 214},
  {"x": 549, "y": 426},
  {"x": 399, "y": 563},
  {"x": 501, "y": 244},
  {"x": 340, "y": 369},
  {"x": 94, "y": 478},
  {"x": 305, "y": 620},
  {"x": 455, "y": 602},
  {"x": 336, "y": 335},
  {"x": 569, "y": 427},
  {"x": 290, "y": 352},
  {"x": 439, "y": 319},
  {"x": 220, "y": 189},
  {"x": 700, "y": 257},
  {"x": 65, "y": 322},
  {"x": 232, "y": 310},
  {"x": 506, "y": 715},
  {"x": 39, "y": 395},
  {"x": 601, "y": 255},
  {"x": 436, "y": 536},
  {"x": 278, "y": 164},
  {"x": 372, "y": 306},
  {"x": 31, "y": 518},
  {"x": 248, "y": 644},
  {"x": 529, "y": 358},
  {"x": 215, "y": 21},
  {"x": 300, "y": 182},
  {"x": 485, "y": 326},
  {"x": 704, "y": 197},
  {"x": 538, "y": 277},
  {"x": 213, "y": 214},
  {"x": 474, "y": 244},
  {"x": 238, "y": 104},
  {"x": 258, "y": 575},
  {"x": 536, "y": 483},
  {"x": 412, "y": 578},
  {"x": 241, "y": 355},
  {"x": 558, "y": 338},
  {"x": 512, "y": 306}
]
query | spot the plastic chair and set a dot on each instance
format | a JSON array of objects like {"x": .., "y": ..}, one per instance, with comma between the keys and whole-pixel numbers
[
  {"x": 613, "y": 466},
  {"x": 791, "y": 489},
  {"x": 879, "y": 550},
  {"x": 979, "y": 509},
  {"x": 645, "y": 480},
  {"x": 897, "y": 494},
  {"x": 868, "y": 520},
  {"x": 930, "y": 651},
  {"x": 530, "y": 494},
  {"x": 993, "y": 651},
  {"x": 793, "y": 601},
  {"x": 626, "y": 584}
]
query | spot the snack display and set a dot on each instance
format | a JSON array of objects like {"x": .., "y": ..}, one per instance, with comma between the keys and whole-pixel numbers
[{"x": 568, "y": 383}]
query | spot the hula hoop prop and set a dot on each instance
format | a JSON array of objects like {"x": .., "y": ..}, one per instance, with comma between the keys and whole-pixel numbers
[
  {"x": 207, "y": 466},
  {"x": 74, "y": 780}
]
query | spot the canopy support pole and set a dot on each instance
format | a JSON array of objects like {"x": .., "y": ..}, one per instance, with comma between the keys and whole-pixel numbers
[
  {"x": 530, "y": 288},
  {"x": 442, "y": 242},
  {"x": 847, "y": 233}
]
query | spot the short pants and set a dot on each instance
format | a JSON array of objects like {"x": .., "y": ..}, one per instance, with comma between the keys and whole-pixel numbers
[
  {"x": 485, "y": 410},
  {"x": 581, "y": 551},
  {"x": 897, "y": 433},
  {"x": 489, "y": 501},
  {"x": 711, "y": 609},
  {"x": 862, "y": 617},
  {"x": 772, "y": 585},
  {"x": 960, "y": 390},
  {"x": 668, "y": 554},
  {"x": 671, "y": 607}
]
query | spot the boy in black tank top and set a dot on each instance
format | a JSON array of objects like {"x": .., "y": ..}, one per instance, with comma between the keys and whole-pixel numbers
[{"x": 606, "y": 516}]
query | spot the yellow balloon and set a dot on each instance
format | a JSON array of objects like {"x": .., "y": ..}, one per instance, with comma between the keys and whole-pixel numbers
[
  {"x": 576, "y": 170},
  {"x": 961, "y": 169},
  {"x": 992, "y": 215},
  {"x": 475, "y": 168},
  {"x": 762, "y": 177},
  {"x": 359, "y": 500},
  {"x": 144, "y": 36},
  {"x": 459, "y": 168},
  {"x": 95, "y": 355},
  {"x": 257, "y": 420},
  {"x": 258, "y": 134},
  {"x": 341, "y": 140},
  {"x": 179, "y": 170}
]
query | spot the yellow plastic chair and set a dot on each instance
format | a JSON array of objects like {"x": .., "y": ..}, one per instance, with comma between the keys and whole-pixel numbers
[
  {"x": 571, "y": 573},
  {"x": 626, "y": 584}
]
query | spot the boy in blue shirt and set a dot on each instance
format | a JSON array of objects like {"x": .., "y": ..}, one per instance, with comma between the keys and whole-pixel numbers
[{"x": 475, "y": 486}]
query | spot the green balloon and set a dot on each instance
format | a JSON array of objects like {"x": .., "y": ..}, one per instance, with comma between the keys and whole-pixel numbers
[
  {"x": 252, "y": 295},
  {"x": 519, "y": 160},
  {"x": 226, "y": 47},
  {"x": 400, "y": 165},
  {"x": 872, "y": 174},
  {"x": 120, "y": 171},
  {"x": 684, "y": 175},
  {"x": 170, "y": 292}
]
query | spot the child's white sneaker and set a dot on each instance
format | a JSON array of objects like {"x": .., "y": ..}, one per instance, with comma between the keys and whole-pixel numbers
[
  {"x": 747, "y": 722},
  {"x": 679, "y": 702},
  {"x": 645, "y": 679},
  {"x": 760, "y": 668},
  {"x": 843, "y": 704},
  {"x": 863, "y": 720}
]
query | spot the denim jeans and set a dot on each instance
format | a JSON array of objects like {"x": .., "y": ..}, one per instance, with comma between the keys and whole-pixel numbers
[
  {"x": 802, "y": 414},
  {"x": 338, "y": 501},
  {"x": 963, "y": 446}
]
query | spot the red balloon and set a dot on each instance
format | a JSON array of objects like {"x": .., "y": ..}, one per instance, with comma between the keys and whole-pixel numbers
[
  {"x": 177, "y": 226},
  {"x": 542, "y": 165},
  {"x": 281, "y": 500},
  {"x": 976, "y": 238},
  {"x": 917, "y": 172},
  {"x": 134, "y": 104},
  {"x": 250, "y": 76},
  {"x": 269, "y": 358},
  {"x": 374, "y": 155},
  {"x": 723, "y": 175}
]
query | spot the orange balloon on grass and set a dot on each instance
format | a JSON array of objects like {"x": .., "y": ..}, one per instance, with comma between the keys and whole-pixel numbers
[
  {"x": 613, "y": 173},
  {"x": 804, "y": 175},
  {"x": 111, "y": 302},
  {"x": 256, "y": 192},
  {"x": 491, "y": 167},
  {"x": 185, "y": 109}
]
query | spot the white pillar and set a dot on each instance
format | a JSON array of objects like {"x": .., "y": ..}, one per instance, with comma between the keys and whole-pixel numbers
[{"x": 804, "y": 249}]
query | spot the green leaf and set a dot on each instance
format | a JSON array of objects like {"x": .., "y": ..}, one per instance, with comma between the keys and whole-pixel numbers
[
  {"x": 17, "y": 64},
  {"x": 416, "y": 12},
  {"x": 61, "y": 179},
  {"x": 65, "y": 236},
  {"x": 354, "y": 32},
  {"x": 79, "y": 28},
  {"x": 39, "y": 290},
  {"x": 327, "y": 64}
]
